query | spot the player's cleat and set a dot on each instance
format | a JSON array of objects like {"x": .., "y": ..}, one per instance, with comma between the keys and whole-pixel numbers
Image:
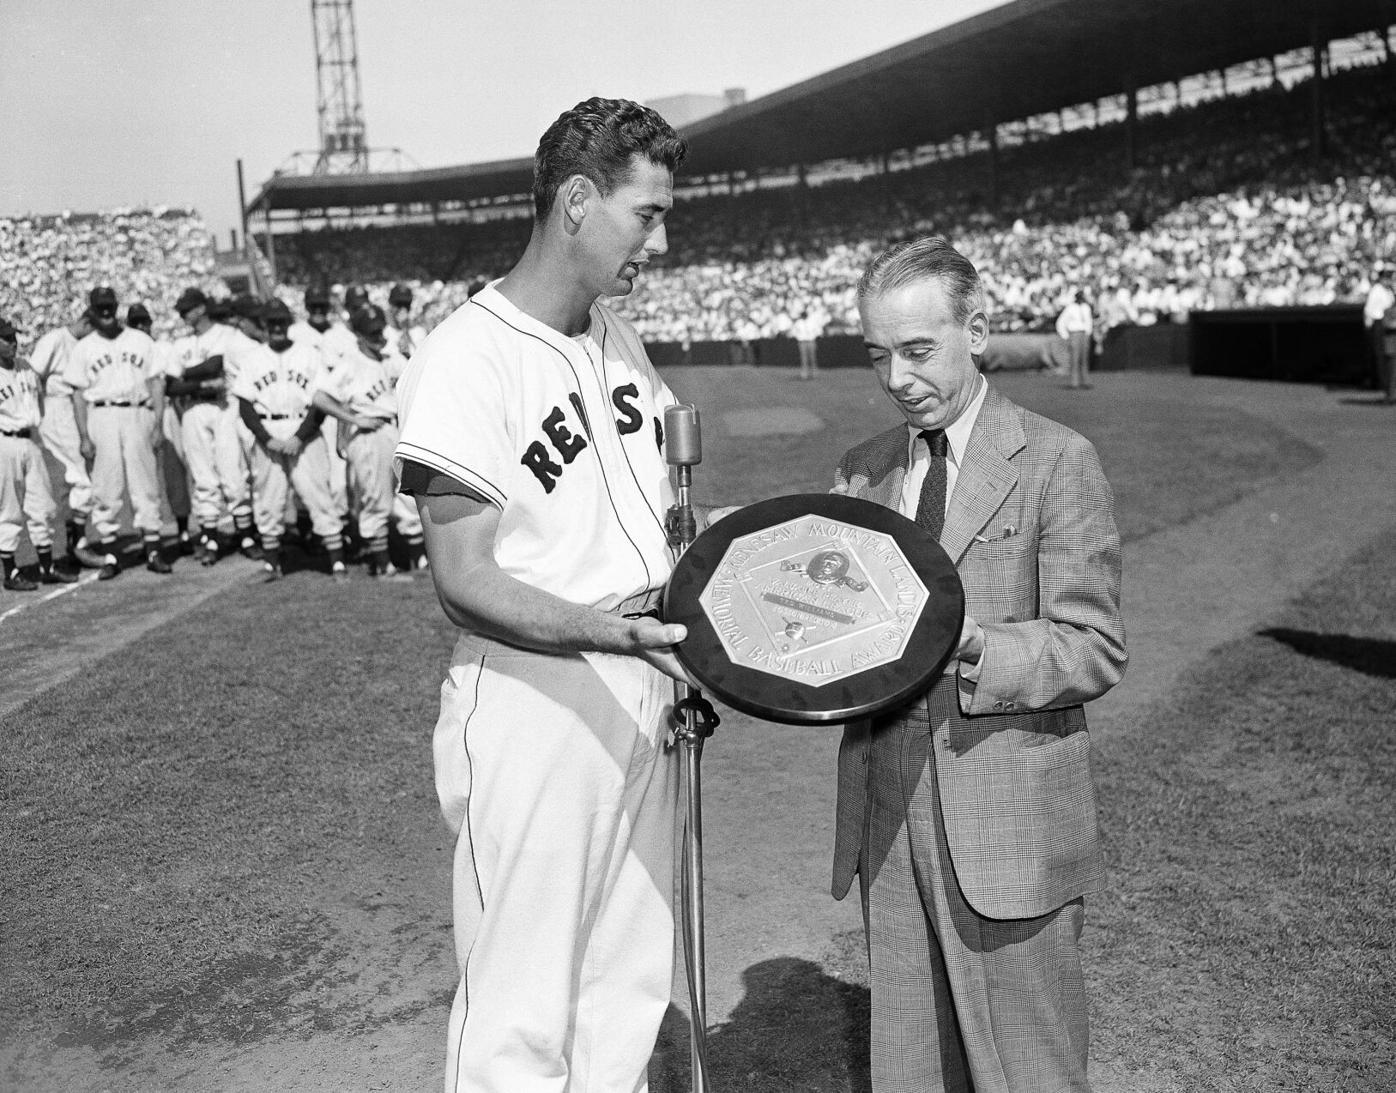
[
  {"x": 56, "y": 576},
  {"x": 187, "y": 544},
  {"x": 83, "y": 556},
  {"x": 271, "y": 572},
  {"x": 388, "y": 572},
  {"x": 339, "y": 572},
  {"x": 110, "y": 568},
  {"x": 207, "y": 551},
  {"x": 422, "y": 562},
  {"x": 156, "y": 563},
  {"x": 249, "y": 548},
  {"x": 17, "y": 582}
]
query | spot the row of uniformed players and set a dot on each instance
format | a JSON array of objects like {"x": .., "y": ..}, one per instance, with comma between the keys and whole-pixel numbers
[{"x": 219, "y": 426}]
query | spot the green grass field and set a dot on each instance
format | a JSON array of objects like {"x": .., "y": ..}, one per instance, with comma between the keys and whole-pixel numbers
[{"x": 208, "y": 831}]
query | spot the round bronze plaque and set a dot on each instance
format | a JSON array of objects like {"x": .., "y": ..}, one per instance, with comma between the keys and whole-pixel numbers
[{"x": 815, "y": 608}]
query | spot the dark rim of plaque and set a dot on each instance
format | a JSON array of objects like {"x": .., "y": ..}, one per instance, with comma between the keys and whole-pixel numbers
[{"x": 863, "y": 694}]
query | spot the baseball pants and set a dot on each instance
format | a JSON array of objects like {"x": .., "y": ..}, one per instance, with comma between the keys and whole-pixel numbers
[
  {"x": 25, "y": 496},
  {"x": 553, "y": 775},
  {"x": 213, "y": 453},
  {"x": 273, "y": 477},
  {"x": 960, "y": 1002},
  {"x": 124, "y": 462},
  {"x": 1078, "y": 345},
  {"x": 370, "y": 459},
  {"x": 174, "y": 474},
  {"x": 59, "y": 436},
  {"x": 339, "y": 470}
]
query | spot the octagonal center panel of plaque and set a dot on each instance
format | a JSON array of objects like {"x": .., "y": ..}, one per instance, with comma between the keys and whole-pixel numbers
[{"x": 814, "y": 599}]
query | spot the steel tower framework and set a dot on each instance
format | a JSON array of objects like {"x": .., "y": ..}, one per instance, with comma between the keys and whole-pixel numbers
[{"x": 343, "y": 140}]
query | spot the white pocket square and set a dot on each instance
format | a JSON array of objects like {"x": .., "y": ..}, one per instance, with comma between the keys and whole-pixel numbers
[{"x": 1007, "y": 533}]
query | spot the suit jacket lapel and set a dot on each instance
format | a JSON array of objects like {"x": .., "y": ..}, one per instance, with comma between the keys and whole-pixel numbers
[{"x": 986, "y": 476}]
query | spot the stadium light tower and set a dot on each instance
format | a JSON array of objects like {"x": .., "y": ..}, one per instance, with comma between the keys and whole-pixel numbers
[{"x": 343, "y": 141}]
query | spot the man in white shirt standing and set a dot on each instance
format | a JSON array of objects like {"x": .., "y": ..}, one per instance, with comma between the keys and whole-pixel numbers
[
  {"x": 1074, "y": 327},
  {"x": 1379, "y": 315}
]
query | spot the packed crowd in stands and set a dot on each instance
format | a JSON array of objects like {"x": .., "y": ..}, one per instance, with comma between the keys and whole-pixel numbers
[
  {"x": 48, "y": 263},
  {"x": 1225, "y": 206}
]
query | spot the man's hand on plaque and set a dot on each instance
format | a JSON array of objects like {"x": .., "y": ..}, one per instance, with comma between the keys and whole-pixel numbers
[{"x": 654, "y": 641}]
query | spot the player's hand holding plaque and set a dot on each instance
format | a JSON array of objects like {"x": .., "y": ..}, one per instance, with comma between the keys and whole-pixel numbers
[{"x": 815, "y": 608}]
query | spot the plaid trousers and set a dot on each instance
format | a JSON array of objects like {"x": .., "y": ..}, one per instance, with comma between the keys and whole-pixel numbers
[{"x": 960, "y": 1002}]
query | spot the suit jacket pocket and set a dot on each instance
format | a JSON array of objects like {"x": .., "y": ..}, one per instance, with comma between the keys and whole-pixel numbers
[{"x": 1021, "y": 824}]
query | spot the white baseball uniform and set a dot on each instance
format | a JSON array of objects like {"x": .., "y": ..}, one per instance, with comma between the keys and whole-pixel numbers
[
  {"x": 333, "y": 342},
  {"x": 208, "y": 426},
  {"x": 279, "y": 385},
  {"x": 59, "y": 430},
  {"x": 551, "y": 769},
  {"x": 367, "y": 388},
  {"x": 113, "y": 376},
  {"x": 175, "y": 499},
  {"x": 25, "y": 496}
]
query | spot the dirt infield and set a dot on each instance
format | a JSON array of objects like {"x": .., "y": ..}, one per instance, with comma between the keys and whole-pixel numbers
[{"x": 357, "y": 999}]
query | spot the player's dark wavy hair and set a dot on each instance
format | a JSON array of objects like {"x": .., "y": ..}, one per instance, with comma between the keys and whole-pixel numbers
[
  {"x": 917, "y": 259},
  {"x": 596, "y": 139}
]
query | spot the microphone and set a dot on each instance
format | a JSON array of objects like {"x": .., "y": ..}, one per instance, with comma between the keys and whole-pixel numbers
[{"x": 683, "y": 449}]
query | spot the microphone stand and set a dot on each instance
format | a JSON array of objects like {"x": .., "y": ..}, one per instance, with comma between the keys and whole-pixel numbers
[{"x": 693, "y": 722}]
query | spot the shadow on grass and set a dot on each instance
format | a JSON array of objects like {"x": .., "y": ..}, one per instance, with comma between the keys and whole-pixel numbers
[
  {"x": 797, "y": 1028},
  {"x": 1372, "y": 656}
]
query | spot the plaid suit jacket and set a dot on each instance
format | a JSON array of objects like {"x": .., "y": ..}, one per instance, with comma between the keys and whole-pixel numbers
[{"x": 1031, "y": 529}]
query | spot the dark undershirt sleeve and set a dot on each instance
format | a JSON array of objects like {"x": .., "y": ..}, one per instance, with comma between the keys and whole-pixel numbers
[{"x": 422, "y": 481}]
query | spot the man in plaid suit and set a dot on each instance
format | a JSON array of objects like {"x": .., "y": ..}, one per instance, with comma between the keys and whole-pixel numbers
[{"x": 969, "y": 816}]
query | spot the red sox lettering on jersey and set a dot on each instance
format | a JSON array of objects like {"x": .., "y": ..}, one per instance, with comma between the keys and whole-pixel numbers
[
  {"x": 19, "y": 398},
  {"x": 567, "y": 443}
]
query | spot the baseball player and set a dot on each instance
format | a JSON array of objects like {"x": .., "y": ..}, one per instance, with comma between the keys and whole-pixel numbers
[
  {"x": 59, "y": 436},
  {"x": 197, "y": 381},
  {"x": 274, "y": 390},
  {"x": 25, "y": 496},
  {"x": 532, "y": 442},
  {"x": 333, "y": 341},
  {"x": 174, "y": 473},
  {"x": 403, "y": 335},
  {"x": 361, "y": 395},
  {"x": 118, "y": 403}
]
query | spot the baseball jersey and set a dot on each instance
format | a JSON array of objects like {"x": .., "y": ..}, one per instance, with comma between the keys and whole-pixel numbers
[
  {"x": 365, "y": 386},
  {"x": 563, "y": 434},
  {"x": 49, "y": 358},
  {"x": 112, "y": 369},
  {"x": 302, "y": 332},
  {"x": 229, "y": 343},
  {"x": 19, "y": 398},
  {"x": 404, "y": 342},
  {"x": 279, "y": 385}
]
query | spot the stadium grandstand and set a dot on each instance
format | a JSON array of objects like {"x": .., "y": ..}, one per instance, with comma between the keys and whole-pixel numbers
[{"x": 1163, "y": 170}]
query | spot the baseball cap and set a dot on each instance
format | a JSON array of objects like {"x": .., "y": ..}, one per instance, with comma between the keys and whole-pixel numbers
[
  {"x": 189, "y": 299},
  {"x": 220, "y": 308},
  {"x": 138, "y": 314},
  {"x": 368, "y": 320},
  {"x": 247, "y": 306},
  {"x": 355, "y": 296},
  {"x": 102, "y": 296},
  {"x": 400, "y": 295},
  {"x": 8, "y": 331},
  {"x": 316, "y": 297},
  {"x": 277, "y": 312}
]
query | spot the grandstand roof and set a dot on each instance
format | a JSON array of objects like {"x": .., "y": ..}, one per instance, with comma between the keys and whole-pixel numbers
[{"x": 1027, "y": 57}]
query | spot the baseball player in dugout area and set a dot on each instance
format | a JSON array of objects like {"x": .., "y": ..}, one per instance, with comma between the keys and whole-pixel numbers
[{"x": 532, "y": 440}]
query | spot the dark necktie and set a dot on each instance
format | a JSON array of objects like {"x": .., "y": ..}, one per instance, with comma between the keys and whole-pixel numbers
[{"x": 930, "y": 510}]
